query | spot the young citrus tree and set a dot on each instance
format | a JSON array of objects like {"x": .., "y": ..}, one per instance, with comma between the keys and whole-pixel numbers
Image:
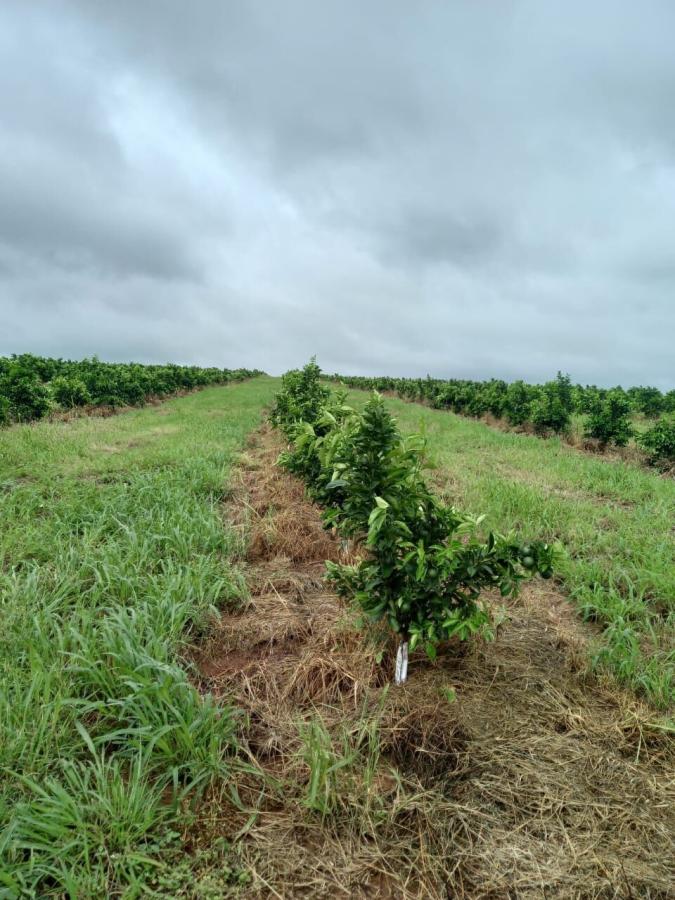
[
  {"x": 27, "y": 396},
  {"x": 609, "y": 418},
  {"x": 301, "y": 398},
  {"x": 647, "y": 400},
  {"x": 518, "y": 402},
  {"x": 659, "y": 442},
  {"x": 552, "y": 409},
  {"x": 70, "y": 391},
  {"x": 426, "y": 567}
]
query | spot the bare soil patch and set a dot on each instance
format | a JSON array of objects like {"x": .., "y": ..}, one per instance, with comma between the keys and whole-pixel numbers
[{"x": 501, "y": 770}]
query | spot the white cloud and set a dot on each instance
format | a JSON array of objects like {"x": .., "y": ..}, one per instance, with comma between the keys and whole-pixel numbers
[{"x": 454, "y": 189}]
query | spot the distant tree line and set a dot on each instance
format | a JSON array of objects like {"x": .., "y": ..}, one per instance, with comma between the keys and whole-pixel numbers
[
  {"x": 31, "y": 386},
  {"x": 547, "y": 408}
]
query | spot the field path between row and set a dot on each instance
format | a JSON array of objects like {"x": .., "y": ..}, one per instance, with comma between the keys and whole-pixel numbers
[{"x": 501, "y": 770}]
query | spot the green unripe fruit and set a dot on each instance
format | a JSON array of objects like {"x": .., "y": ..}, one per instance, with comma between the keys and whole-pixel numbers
[{"x": 528, "y": 562}]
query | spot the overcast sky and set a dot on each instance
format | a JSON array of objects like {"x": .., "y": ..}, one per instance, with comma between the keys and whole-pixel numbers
[{"x": 469, "y": 189}]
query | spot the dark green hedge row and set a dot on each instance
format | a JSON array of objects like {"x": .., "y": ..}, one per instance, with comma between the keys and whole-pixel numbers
[
  {"x": 546, "y": 408},
  {"x": 33, "y": 386}
]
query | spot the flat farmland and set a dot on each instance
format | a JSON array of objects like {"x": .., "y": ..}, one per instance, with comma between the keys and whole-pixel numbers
[{"x": 189, "y": 709}]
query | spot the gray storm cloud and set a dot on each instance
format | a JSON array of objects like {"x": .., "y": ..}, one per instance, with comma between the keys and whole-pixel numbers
[{"x": 463, "y": 189}]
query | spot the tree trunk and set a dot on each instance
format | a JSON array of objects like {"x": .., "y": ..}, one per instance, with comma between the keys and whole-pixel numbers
[{"x": 401, "y": 673}]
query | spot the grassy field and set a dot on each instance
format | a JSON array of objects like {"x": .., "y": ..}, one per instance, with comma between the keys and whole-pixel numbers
[
  {"x": 614, "y": 519},
  {"x": 186, "y": 713},
  {"x": 112, "y": 552}
]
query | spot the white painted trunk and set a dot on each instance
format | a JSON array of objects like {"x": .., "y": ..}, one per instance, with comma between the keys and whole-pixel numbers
[{"x": 401, "y": 674}]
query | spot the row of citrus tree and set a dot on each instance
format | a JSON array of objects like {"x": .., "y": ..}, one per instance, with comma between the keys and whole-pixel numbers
[
  {"x": 33, "y": 386},
  {"x": 425, "y": 566},
  {"x": 548, "y": 408}
]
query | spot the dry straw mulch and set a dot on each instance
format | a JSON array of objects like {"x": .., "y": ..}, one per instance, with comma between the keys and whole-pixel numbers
[{"x": 536, "y": 781}]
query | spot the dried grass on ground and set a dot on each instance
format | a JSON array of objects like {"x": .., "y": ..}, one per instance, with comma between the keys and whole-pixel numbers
[{"x": 502, "y": 770}]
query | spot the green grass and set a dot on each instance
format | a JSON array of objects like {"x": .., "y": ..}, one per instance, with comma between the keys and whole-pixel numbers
[
  {"x": 614, "y": 519},
  {"x": 112, "y": 553}
]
